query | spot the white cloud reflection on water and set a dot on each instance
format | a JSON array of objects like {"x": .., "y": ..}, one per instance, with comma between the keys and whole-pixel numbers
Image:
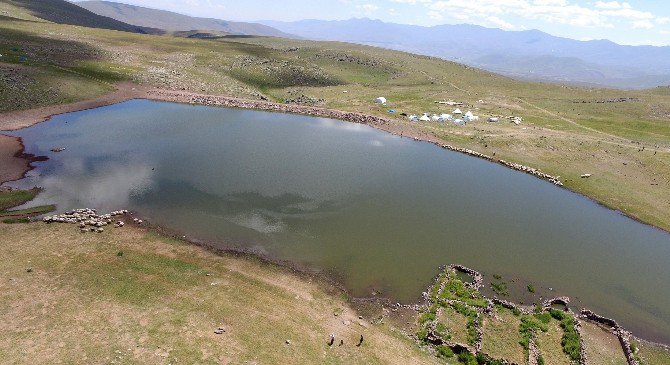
[{"x": 106, "y": 186}]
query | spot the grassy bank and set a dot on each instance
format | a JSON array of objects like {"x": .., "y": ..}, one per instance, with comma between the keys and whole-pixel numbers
[
  {"x": 13, "y": 198},
  {"x": 130, "y": 296}
]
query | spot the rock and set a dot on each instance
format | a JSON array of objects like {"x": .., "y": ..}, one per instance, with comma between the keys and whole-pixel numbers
[
  {"x": 288, "y": 342},
  {"x": 30, "y": 269}
]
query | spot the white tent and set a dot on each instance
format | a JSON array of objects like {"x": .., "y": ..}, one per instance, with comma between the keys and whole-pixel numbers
[
  {"x": 457, "y": 111},
  {"x": 380, "y": 100},
  {"x": 435, "y": 118},
  {"x": 413, "y": 118},
  {"x": 494, "y": 119},
  {"x": 425, "y": 118},
  {"x": 459, "y": 121},
  {"x": 469, "y": 114}
]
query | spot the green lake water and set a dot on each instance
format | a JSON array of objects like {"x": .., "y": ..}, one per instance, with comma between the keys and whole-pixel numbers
[{"x": 380, "y": 212}]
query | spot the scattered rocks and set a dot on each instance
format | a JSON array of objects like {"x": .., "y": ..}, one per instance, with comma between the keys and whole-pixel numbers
[{"x": 219, "y": 330}]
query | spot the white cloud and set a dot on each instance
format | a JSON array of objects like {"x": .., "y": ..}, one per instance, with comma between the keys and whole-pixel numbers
[
  {"x": 367, "y": 7},
  {"x": 499, "y": 23},
  {"x": 601, "y": 14},
  {"x": 642, "y": 24},
  {"x": 612, "y": 5}
]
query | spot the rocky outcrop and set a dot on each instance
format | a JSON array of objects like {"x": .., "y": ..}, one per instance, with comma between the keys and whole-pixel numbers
[
  {"x": 547, "y": 304},
  {"x": 477, "y": 278}
]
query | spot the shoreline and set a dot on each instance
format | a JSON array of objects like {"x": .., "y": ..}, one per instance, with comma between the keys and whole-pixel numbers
[
  {"x": 126, "y": 91},
  {"x": 26, "y": 118}
]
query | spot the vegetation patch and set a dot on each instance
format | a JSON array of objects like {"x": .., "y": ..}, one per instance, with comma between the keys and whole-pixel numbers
[
  {"x": 28, "y": 212},
  {"x": 16, "y": 220},
  {"x": 501, "y": 336},
  {"x": 570, "y": 341},
  {"x": 13, "y": 198}
]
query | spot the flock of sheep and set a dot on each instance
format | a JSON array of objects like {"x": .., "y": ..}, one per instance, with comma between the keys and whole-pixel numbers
[{"x": 89, "y": 217}]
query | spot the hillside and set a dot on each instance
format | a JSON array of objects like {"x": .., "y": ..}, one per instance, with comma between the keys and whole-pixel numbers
[
  {"x": 527, "y": 54},
  {"x": 64, "y": 12},
  {"x": 170, "y": 21}
]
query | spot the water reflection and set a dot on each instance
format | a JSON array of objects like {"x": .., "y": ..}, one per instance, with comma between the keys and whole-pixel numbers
[{"x": 381, "y": 211}]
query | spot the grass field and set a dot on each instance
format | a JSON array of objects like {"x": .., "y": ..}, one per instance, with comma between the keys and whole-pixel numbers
[
  {"x": 567, "y": 130},
  {"x": 549, "y": 344},
  {"x": 130, "y": 296},
  {"x": 501, "y": 337}
]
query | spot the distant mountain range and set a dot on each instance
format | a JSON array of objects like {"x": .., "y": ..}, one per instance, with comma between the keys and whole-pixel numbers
[
  {"x": 523, "y": 54},
  {"x": 174, "y": 22}
]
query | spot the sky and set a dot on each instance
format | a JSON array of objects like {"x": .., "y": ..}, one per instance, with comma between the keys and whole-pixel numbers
[{"x": 633, "y": 22}]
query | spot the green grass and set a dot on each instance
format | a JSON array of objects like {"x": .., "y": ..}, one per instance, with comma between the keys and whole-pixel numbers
[
  {"x": 15, "y": 220},
  {"x": 500, "y": 288},
  {"x": 570, "y": 341},
  {"x": 10, "y": 199},
  {"x": 531, "y": 325},
  {"x": 29, "y": 212}
]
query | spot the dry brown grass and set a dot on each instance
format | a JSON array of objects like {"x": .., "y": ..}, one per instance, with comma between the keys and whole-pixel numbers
[
  {"x": 602, "y": 347},
  {"x": 160, "y": 302}
]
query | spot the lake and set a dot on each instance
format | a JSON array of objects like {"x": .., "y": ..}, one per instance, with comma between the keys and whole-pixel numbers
[{"x": 379, "y": 212}]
